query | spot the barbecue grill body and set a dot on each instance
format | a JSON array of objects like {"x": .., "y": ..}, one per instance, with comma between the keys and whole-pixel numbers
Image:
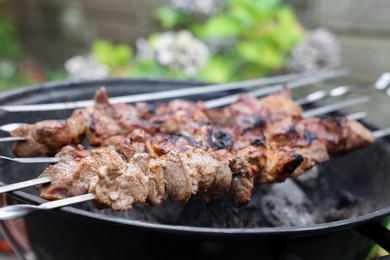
[{"x": 72, "y": 233}]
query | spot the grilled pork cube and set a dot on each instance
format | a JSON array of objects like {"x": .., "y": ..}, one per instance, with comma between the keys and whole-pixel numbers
[
  {"x": 180, "y": 177},
  {"x": 339, "y": 134},
  {"x": 248, "y": 112},
  {"x": 313, "y": 154},
  {"x": 122, "y": 145},
  {"x": 223, "y": 175},
  {"x": 120, "y": 185},
  {"x": 154, "y": 172},
  {"x": 178, "y": 115},
  {"x": 261, "y": 164},
  {"x": 70, "y": 176},
  {"x": 44, "y": 137}
]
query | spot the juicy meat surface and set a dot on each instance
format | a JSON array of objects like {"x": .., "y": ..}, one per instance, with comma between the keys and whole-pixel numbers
[
  {"x": 44, "y": 137},
  {"x": 120, "y": 185}
]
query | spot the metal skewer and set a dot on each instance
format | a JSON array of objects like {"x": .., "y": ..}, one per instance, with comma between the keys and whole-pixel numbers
[
  {"x": 380, "y": 84},
  {"x": 17, "y": 211},
  {"x": 24, "y": 184},
  {"x": 10, "y": 127},
  {"x": 31, "y": 159},
  {"x": 175, "y": 93},
  {"x": 335, "y": 107},
  {"x": 218, "y": 102}
]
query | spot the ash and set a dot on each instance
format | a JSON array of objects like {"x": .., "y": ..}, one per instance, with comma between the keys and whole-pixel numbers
[{"x": 294, "y": 202}]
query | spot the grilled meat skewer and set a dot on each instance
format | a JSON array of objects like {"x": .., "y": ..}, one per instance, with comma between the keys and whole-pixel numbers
[
  {"x": 119, "y": 176},
  {"x": 104, "y": 120}
]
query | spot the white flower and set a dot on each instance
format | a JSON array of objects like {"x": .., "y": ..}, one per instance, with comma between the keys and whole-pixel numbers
[
  {"x": 88, "y": 67},
  {"x": 143, "y": 50},
  {"x": 319, "y": 50},
  {"x": 201, "y": 7},
  {"x": 181, "y": 52},
  {"x": 7, "y": 69}
]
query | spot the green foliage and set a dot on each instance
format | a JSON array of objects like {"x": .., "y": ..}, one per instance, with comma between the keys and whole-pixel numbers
[
  {"x": 115, "y": 56},
  {"x": 256, "y": 37},
  {"x": 10, "y": 48},
  {"x": 169, "y": 17},
  {"x": 264, "y": 31},
  {"x": 11, "y": 51}
]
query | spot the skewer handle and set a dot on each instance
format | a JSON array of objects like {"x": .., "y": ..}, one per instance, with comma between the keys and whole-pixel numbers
[
  {"x": 24, "y": 184},
  {"x": 17, "y": 211},
  {"x": 11, "y": 139}
]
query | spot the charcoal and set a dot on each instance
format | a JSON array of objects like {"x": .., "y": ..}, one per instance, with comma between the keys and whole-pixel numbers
[
  {"x": 286, "y": 205},
  {"x": 309, "y": 178}
]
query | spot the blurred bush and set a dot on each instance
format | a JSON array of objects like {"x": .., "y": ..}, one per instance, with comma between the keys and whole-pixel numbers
[
  {"x": 16, "y": 69},
  {"x": 214, "y": 40}
]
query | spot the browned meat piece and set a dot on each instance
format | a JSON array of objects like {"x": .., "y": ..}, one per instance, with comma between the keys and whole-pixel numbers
[
  {"x": 154, "y": 172},
  {"x": 195, "y": 170},
  {"x": 78, "y": 123},
  {"x": 101, "y": 128},
  {"x": 177, "y": 116},
  {"x": 120, "y": 184},
  {"x": 341, "y": 135},
  {"x": 142, "y": 141},
  {"x": 279, "y": 104},
  {"x": 45, "y": 137},
  {"x": 263, "y": 165},
  {"x": 356, "y": 135},
  {"x": 223, "y": 174},
  {"x": 163, "y": 144},
  {"x": 74, "y": 177},
  {"x": 313, "y": 154},
  {"x": 291, "y": 155},
  {"x": 69, "y": 177},
  {"x": 179, "y": 176},
  {"x": 102, "y": 103},
  {"x": 338, "y": 134},
  {"x": 249, "y": 112},
  {"x": 121, "y": 145}
]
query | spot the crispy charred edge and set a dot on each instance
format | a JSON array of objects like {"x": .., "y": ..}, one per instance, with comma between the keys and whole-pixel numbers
[{"x": 338, "y": 134}]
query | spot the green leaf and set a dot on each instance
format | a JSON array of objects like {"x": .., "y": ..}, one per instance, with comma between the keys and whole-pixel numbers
[
  {"x": 261, "y": 52},
  {"x": 255, "y": 5},
  {"x": 147, "y": 68},
  {"x": 221, "y": 26},
  {"x": 266, "y": 5},
  {"x": 102, "y": 49},
  {"x": 9, "y": 42},
  {"x": 169, "y": 17},
  {"x": 242, "y": 15},
  {"x": 112, "y": 55},
  {"x": 122, "y": 54},
  {"x": 253, "y": 70},
  {"x": 287, "y": 30},
  {"x": 218, "y": 69}
]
